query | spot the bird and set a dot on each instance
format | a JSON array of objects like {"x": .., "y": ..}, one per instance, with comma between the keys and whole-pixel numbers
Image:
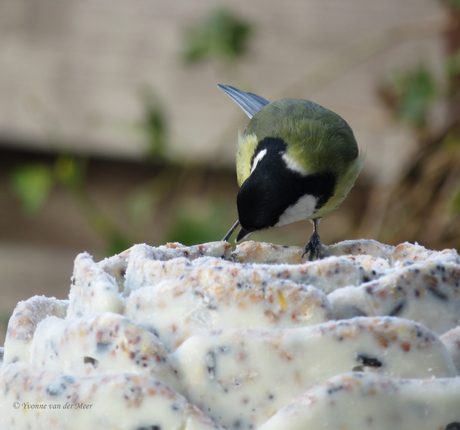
[{"x": 296, "y": 160}]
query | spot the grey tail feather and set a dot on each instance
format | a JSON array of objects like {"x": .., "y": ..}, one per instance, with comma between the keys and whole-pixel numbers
[{"x": 249, "y": 102}]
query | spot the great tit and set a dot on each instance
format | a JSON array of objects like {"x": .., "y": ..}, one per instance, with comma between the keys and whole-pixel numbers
[{"x": 296, "y": 160}]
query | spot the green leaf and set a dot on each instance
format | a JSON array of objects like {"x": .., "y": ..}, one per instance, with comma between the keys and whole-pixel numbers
[
  {"x": 154, "y": 124},
  {"x": 417, "y": 90},
  {"x": 69, "y": 172},
  {"x": 32, "y": 184},
  {"x": 221, "y": 36}
]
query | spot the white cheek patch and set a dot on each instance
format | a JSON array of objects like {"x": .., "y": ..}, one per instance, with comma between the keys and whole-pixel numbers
[
  {"x": 257, "y": 159},
  {"x": 302, "y": 209},
  {"x": 291, "y": 164}
]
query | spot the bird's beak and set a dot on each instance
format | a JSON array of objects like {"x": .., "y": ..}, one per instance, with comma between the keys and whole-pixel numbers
[
  {"x": 230, "y": 232},
  {"x": 243, "y": 234}
]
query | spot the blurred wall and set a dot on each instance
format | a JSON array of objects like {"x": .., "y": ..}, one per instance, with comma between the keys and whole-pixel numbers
[{"x": 72, "y": 72}]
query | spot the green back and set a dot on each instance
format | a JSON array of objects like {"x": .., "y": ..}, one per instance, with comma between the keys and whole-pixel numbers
[{"x": 319, "y": 140}]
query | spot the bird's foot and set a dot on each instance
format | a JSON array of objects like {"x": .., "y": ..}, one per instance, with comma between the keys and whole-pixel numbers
[{"x": 313, "y": 247}]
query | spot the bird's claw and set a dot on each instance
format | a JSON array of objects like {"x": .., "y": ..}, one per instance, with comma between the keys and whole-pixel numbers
[{"x": 313, "y": 247}]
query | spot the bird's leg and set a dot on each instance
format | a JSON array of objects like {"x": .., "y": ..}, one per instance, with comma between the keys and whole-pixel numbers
[
  {"x": 313, "y": 246},
  {"x": 230, "y": 232}
]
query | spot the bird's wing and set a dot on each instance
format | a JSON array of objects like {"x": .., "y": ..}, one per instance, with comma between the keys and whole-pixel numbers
[{"x": 249, "y": 102}]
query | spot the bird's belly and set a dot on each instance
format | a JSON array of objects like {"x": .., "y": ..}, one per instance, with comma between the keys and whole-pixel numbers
[{"x": 302, "y": 209}]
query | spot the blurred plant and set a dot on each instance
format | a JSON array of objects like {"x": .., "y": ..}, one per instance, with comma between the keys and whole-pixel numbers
[
  {"x": 220, "y": 37},
  {"x": 410, "y": 95},
  {"x": 154, "y": 124},
  {"x": 424, "y": 203},
  {"x": 33, "y": 183}
]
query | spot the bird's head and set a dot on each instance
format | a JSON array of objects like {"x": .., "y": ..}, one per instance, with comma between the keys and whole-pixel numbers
[{"x": 290, "y": 159}]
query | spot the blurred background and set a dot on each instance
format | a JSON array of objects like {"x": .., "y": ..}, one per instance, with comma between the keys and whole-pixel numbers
[{"x": 113, "y": 131}]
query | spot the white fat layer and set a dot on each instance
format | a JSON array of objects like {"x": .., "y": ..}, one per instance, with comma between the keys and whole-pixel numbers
[
  {"x": 291, "y": 164},
  {"x": 302, "y": 209},
  {"x": 257, "y": 159}
]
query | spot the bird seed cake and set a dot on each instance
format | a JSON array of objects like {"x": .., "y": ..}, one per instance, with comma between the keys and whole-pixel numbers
[{"x": 206, "y": 337}]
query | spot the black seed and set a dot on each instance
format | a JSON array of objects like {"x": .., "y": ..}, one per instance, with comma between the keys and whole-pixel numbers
[
  {"x": 438, "y": 294},
  {"x": 57, "y": 387},
  {"x": 369, "y": 361},
  {"x": 52, "y": 391},
  {"x": 68, "y": 379},
  {"x": 211, "y": 364},
  {"x": 103, "y": 346},
  {"x": 398, "y": 309},
  {"x": 335, "y": 389},
  {"x": 152, "y": 427},
  {"x": 91, "y": 360}
]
